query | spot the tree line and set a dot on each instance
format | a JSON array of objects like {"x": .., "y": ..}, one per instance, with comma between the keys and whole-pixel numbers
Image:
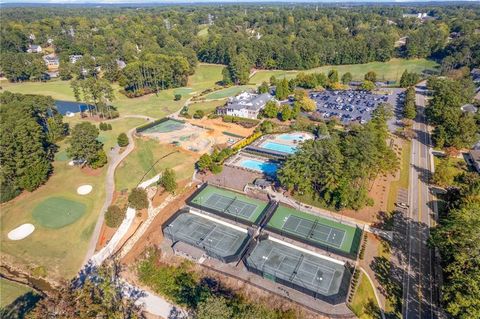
[
  {"x": 241, "y": 37},
  {"x": 335, "y": 170},
  {"x": 453, "y": 127},
  {"x": 29, "y": 128},
  {"x": 457, "y": 238}
]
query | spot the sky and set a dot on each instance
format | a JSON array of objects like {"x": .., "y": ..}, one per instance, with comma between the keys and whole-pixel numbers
[{"x": 216, "y": 1}]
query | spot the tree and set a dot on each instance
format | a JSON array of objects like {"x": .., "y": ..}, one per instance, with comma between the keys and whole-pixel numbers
[
  {"x": 286, "y": 112},
  {"x": 410, "y": 109},
  {"x": 346, "y": 78},
  {"x": 198, "y": 114},
  {"x": 367, "y": 85},
  {"x": 85, "y": 146},
  {"x": 204, "y": 163},
  {"x": 122, "y": 140},
  {"x": 214, "y": 308},
  {"x": 98, "y": 295},
  {"x": 371, "y": 76},
  {"x": 333, "y": 76},
  {"x": 239, "y": 69},
  {"x": 444, "y": 174},
  {"x": 168, "y": 180},
  {"x": 282, "y": 90},
  {"x": 177, "y": 97},
  {"x": 138, "y": 198},
  {"x": 263, "y": 88},
  {"x": 271, "y": 109},
  {"x": 409, "y": 79},
  {"x": 226, "y": 77},
  {"x": 114, "y": 216}
]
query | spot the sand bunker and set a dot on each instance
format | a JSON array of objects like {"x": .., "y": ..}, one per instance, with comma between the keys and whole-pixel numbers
[
  {"x": 21, "y": 232},
  {"x": 84, "y": 189}
]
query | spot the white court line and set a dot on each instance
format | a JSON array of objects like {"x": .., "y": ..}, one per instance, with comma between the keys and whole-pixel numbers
[
  {"x": 196, "y": 212},
  {"x": 281, "y": 242}
]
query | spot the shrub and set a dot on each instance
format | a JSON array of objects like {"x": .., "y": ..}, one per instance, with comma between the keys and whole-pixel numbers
[
  {"x": 198, "y": 114},
  {"x": 122, "y": 140},
  {"x": 114, "y": 216},
  {"x": 138, "y": 198},
  {"x": 177, "y": 97},
  {"x": 168, "y": 180}
]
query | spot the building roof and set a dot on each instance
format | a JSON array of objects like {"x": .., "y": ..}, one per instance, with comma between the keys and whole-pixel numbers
[
  {"x": 249, "y": 101},
  {"x": 470, "y": 108},
  {"x": 475, "y": 155},
  {"x": 50, "y": 58}
]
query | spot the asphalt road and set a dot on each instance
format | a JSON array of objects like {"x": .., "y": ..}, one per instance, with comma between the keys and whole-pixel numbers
[{"x": 419, "y": 286}]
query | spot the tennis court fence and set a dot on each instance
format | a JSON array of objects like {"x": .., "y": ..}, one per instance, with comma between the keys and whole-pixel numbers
[
  {"x": 337, "y": 298},
  {"x": 234, "y": 256},
  {"x": 352, "y": 254},
  {"x": 223, "y": 214}
]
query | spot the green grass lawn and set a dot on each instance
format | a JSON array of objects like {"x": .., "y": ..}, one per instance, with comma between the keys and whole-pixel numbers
[
  {"x": 9, "y": 291},
  {"x": 349, "y": 243},
  {"x": 231, "y": 91},
  {"x": 58, "y": 212},
  {"x": 144, "y": 156},
  {"x": 153, "y": 105},
  {"x": 404, "y": 176},
  {"x": 207, "y": 107},
  {"x": 364, "y": 304},
  {"x": 203, "y": 32},
  {"x": 391, "y": 70},
  {"x": 208, "y": 191},
  {"x": 60, "y": 251}
]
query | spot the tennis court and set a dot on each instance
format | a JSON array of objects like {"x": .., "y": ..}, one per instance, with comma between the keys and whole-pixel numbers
[
  {"x": 233, "y": 204},
  {"x": 316, "y": 230},
  {"x": 303, "y": 270},
  {"x": 216, "y": 239}
]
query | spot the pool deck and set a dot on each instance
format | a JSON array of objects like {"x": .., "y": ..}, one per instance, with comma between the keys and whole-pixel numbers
[{"x": 276, "y": 138}]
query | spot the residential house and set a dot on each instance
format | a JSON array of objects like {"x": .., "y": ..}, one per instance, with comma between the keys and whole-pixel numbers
[
  {"x": 247, "y": 105},
  {"x": 74, "y": 58},
  {"x": 469, "y": 108},
  {"x": 121, "y": 64},
  {"x": 51, "y": 61},
  {"x": 33, "y": 48},
  {"x": 475, "y": 157}
]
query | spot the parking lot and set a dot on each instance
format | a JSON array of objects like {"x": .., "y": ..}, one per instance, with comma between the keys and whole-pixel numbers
[{"x": 350, "y": 105}]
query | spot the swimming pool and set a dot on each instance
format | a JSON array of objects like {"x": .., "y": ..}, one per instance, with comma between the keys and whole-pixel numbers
[
  {"x": 267, "y": 168},
  {"x": 292, "y": 137},
  {"x": 288, "y": 149}
]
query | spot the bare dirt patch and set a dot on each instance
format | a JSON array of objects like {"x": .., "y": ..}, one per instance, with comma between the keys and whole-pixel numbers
[{"x": 153, "y": 235}]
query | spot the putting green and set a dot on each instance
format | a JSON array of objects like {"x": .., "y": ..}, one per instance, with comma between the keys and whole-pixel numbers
[{"x": 58, "y": 212}]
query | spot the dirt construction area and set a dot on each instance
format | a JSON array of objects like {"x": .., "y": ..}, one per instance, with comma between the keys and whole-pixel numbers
[{"x": 200, "y": 135}]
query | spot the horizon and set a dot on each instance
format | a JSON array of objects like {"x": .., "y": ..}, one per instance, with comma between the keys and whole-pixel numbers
[{"x": 193, "y": 2}]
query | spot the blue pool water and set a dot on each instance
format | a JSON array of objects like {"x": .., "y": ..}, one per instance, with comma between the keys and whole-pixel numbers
[
  {"x": 279, "y": 147},
  {"x": 291, "y": 137},
  {"x": 259, "y": 166}
]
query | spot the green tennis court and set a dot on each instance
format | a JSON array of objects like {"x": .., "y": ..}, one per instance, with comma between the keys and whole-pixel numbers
[
  {"x": 58, "y": 212},
  {"x": 316, "y": 230},
  {"x": 231, "y": 203},
  {"x": 166, "y": 126}
]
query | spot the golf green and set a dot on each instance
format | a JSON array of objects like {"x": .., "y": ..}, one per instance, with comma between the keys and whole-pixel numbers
[{"x": 58, "y": 212}]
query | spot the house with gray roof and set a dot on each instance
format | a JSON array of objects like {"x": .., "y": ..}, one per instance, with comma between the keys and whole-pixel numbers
[{"x": 246, "y": 105}]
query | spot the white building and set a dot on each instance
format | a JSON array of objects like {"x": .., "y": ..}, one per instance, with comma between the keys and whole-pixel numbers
[
  {"x": 74, "y": 58},
  {"x": 51, "y": 61},
  {"x": 246, "y": 105},
  {"x": 33, "y": 48}
]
